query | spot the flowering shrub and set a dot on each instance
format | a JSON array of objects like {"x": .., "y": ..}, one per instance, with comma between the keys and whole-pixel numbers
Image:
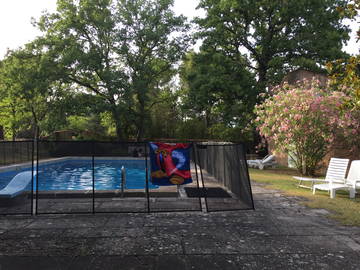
[{"x": 304, "y": 121}]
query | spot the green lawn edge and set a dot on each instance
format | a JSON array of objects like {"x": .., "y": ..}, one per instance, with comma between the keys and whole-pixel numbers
[{"x": 342, "y": 208}]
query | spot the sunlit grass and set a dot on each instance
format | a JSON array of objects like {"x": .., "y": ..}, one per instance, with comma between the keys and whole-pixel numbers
[{"x": 343, "y": 209}]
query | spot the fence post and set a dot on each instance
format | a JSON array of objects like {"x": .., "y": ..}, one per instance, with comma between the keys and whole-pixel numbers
[
  {"x": 202, "y": 180},
  {"x": 196, "y": 173},
  {"x": 93, "y": 177},
  {"x": 37, "y": 178},
  {"x": 247, "y": 170},
  {"x": 13, "y": 151},
  {"x": 32, "y": 177},
  {"x": 4, "y": 152},
  {"x": 225, "y": 180},
  {"x": 147, "y": 179}
]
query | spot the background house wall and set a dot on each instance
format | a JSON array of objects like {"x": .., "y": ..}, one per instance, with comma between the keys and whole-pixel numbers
[{"x": 302, "y": 74}]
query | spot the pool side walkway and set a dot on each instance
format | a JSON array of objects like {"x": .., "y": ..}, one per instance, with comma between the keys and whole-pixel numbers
[{"x": 279, "y": 234}]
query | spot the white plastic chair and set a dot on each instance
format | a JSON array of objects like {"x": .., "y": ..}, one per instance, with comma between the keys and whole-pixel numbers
[
  {"x": 350, "y": 183},
  {"x": 268, "y": 161},
  {"x": 336, "y": 172},
  {"x": 353, "y": 178}
]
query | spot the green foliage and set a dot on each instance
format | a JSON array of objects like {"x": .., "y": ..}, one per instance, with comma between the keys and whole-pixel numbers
[
  {"x": 345, "y": 73},
  {"x": 279, "y": 36},
  {"x": 78, "y": 123},
  {"x": 345, "y": 77},
  {"x": 350, "y": 10},
  {"x": 220, "y": 131},
  {"x": 218, "y": 90},
  {"x": 108, "y": 123},
  {"x": 26, "y": 89},
  {"x": 164, "y": 115},
  {"x": 12, "y": 111},
  {"x": 191, "y": 129},
  {"x": 87, "y": 127}
]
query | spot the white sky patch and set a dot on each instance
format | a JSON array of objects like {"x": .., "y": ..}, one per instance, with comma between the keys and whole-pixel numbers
[
  {"x": 15, "y": 21},
  {"x": 188, "y": 8},
  {"x": 352, "y": 46}
]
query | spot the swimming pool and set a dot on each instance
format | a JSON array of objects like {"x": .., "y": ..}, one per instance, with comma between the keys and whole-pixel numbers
[{"x": 77, "y": 175}]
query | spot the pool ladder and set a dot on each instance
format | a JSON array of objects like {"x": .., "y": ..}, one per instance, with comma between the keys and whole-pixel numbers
[{"x": 123, "y": 180}]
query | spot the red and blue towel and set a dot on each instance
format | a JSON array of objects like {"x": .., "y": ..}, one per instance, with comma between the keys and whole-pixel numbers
[{"x": 170, "y": 163}]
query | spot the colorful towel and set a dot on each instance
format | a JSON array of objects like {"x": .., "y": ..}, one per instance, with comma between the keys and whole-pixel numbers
[{"x": 170, "y": 163}]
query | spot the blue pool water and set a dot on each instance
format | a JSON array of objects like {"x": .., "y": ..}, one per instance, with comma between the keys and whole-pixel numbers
[{"x": 77, "y": 175}]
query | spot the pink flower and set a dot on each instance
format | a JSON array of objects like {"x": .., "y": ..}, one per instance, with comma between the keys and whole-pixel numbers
[{"x": 313, "y": 107}]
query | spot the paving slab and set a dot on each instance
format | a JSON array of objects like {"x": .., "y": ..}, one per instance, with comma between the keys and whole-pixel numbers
[
  {"x": 8, "y": 222},
  {"x": 67, "y": 222},
  {"x": 35, "y": 262},
  {"x": 281, "y": 233}
]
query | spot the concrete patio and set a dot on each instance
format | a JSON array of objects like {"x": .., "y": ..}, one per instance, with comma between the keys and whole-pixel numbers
[{"x": 279, "y": 234}]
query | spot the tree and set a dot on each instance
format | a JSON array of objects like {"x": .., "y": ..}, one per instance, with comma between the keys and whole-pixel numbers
[
  {"x": 117, "y": 50},
  {"x": 304, "y": 121},
  {"x": 26, "y": 89},
  {"x": 345, "y": 72},
  {"x": 165, "y": 115},
  {"x": 218, "y": 90},
  {"x": 345, "y": 77},
  {"x": 67, "y": 102},
  {"x": 275, "y": 36},
  {"x": 12, "y": 115}
]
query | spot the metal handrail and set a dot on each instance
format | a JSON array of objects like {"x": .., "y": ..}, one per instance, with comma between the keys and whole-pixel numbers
[{"x": 123, "y": 180}]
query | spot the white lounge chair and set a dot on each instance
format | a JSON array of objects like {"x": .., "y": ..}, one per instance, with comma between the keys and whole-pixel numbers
[
  {"x": 336, "y": 171},
  {"x": 17, "y": 185},
  {"x": 349, "y": 183},
  {"x": 353, "y": 179},
  {"x": 268, "y": 161}
]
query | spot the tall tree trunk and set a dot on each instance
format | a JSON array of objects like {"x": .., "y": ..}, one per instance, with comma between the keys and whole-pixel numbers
[
  {"x": 119, "y": 133},
  {"x": 13, "y": 133},
  {"x": 141, "y": 122},
  {"x": 207, "y": 118},
  {"x": 141, "y": 96},
  {"x": 2, "y": 136},
  {"x": 36, "y": 131},
  {"x": 140, "y": 133},
  {"x": 36, "y": 124},
  {"x": 13, "y": 128},
  {"x": 114, "y": 109},
  {"x": 262, "y": 80}
]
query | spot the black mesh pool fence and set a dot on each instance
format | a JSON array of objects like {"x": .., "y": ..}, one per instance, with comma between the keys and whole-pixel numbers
[
  {"x": 225, "y": 164},
  {"x": 74, "y": 177}
]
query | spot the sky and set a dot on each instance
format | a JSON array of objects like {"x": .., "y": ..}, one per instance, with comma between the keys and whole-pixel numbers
[{"x": 16, "y": 28}]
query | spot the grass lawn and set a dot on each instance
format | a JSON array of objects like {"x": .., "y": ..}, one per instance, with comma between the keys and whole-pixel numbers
[{"x": 343, "y": 209}]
